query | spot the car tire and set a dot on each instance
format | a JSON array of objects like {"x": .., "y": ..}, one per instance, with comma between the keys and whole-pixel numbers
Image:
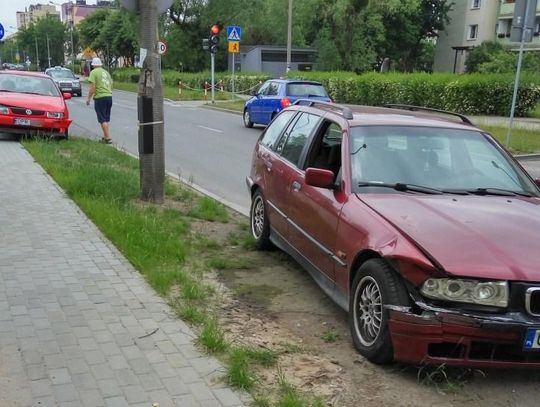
[
  {"x": 247, "y": 119},
  {"x": 66, "y": 135},
  {"x": 375, "y": 285},
  {"x": 258, "y": 219}
]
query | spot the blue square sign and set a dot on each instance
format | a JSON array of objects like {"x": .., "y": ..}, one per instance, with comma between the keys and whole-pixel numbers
[{"x": 234, "y": 33}]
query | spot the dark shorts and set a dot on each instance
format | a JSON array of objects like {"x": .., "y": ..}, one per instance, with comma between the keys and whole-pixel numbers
[{"x": 103, "y": 106}]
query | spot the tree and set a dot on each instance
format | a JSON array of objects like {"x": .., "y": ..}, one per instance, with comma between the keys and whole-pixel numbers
[{"x": 485, "y": 52}]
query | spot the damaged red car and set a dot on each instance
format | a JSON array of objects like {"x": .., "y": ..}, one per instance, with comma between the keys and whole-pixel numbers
[
  {"x": 419, "y": 224},
  {"x": 31, "y": 103}
]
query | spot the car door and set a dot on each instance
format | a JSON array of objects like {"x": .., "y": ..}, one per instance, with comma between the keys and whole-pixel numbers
[
  {"x": 314, "y": 213},
  {"x": 255, "y": 106},
  {"x": 273, "y": 171},
  {"x": 270, "y": 102}
]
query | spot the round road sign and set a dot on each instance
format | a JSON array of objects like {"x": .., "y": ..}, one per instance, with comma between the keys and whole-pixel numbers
[{"x": 162, "y": 47}]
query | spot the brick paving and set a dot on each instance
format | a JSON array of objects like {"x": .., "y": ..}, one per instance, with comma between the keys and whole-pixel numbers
[{"x": 78, "y": 325}]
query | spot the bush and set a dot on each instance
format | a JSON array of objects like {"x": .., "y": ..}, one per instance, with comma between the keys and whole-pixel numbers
[{"x": 474, "y": 94}]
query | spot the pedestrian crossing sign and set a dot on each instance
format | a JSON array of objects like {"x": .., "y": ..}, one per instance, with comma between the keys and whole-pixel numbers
[
  {"x": 234, "y": 33},
  {"x": 234, "y": 47}
]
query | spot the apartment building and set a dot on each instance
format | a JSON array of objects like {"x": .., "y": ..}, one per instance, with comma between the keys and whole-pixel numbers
[
  {"x": 75, "y": 12},
  {"x": 34, "y": 12},
  {"x": 473, "y": 22}
]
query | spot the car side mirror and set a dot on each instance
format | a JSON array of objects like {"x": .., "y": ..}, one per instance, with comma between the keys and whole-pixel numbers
[
  {"x": 320, "y": 178},
  {"x": 77, "y": 77},
  {"x": 66, "y": 95},
  {"x": 537, "y": 181}
]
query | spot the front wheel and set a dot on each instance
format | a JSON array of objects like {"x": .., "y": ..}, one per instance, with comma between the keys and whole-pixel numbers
[
  {"x": 375, "y": 285},
  {"x": 260, "y": 225},
  {"x": 247, "y": 119}
]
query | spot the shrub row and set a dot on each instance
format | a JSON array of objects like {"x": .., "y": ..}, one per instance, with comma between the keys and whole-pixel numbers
[
  {"x": 474, "y": 94},
  {"x": 243, "y": 83}
]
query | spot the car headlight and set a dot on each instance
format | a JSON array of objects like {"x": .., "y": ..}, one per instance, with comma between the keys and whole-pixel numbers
[
  {"x": 4, "y": 110},
  {"x": 493, "y": 293},
  {"x": 75, "y": 84},
  {"x": 55, "y": 115}
]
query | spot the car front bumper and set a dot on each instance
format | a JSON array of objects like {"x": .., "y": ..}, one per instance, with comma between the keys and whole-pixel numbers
[
  {"x": 40, "y": 125},
  {"x": 456, "y": 338}
]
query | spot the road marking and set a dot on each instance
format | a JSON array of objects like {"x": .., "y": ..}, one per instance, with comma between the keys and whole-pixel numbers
[{"x": 209, "y": 128}]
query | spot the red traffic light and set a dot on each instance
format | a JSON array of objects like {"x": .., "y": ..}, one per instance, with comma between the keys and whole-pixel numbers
[{"x": 215, "y": 29}]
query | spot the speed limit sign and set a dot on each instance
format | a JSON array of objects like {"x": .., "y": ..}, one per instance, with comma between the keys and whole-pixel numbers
[{"x": 162, "y": 47}]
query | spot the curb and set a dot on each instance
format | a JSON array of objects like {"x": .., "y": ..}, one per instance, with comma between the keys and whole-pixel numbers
[
  {"x": 222, "y": 109},
  {"x": 527, "y": 157}
]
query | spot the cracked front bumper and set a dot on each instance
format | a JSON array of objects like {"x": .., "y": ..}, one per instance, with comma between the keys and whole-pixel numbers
[{"x": 455, "y": 338}]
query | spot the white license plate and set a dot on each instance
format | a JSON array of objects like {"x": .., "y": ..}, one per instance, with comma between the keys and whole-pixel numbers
[
  {"x": 532, "y": 339},
  {"x": 67, "y": 89},
  {"x": 22, "y": 122}
]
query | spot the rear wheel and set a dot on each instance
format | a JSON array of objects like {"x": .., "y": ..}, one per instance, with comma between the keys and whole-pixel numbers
[
  {"x": 260, "y": 226},
  {"x": 375, "y": 285},
  {"x": 247, "y": 119}
]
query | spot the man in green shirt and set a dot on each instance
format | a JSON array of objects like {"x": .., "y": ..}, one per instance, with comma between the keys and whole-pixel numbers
[{"x": 101, "y": 90}]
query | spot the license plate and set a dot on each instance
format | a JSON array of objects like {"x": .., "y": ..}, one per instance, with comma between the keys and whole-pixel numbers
[
  {"x": 532, "y": 339},
  {"x": 22, "y": 122},
  {"x": 67, "y": 89}
]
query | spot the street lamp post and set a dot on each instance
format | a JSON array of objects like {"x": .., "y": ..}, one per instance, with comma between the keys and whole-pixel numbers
[
  {"x": 289, "y": 36},
  {"x": 37, "y": 55},
  {"x": 48, "y": 51}
]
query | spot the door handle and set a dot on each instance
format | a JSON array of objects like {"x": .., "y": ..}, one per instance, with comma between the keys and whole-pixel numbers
[{"x": 296, "y": 186}]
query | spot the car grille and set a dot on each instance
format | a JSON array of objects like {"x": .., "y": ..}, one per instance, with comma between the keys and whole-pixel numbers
[
  {"x": 532, "y": 301},
  {"x": 23, "y": 111},
  {"x": 65, "y": 84}
]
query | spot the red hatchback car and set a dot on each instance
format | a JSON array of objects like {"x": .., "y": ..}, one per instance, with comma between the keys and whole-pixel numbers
[
  {"x": 31, "y": 103},
  {"x": 417, "y": 223}
]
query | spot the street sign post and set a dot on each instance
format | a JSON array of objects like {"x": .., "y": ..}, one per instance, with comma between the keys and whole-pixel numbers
[
  {"x": 523, "y": 26},
  {"x": 234, "y": 35}
]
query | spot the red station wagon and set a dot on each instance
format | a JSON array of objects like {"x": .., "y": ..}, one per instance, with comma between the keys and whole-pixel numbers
[
  {"x": 32, "y": 103},
  {"x": 417, "y": 223}
]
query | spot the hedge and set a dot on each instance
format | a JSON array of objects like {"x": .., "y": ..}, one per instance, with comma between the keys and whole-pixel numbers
[{"x": 474, "y": 94}]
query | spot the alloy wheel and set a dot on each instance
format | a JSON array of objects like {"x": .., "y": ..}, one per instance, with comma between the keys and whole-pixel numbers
[{"x": 368, "y": 311}]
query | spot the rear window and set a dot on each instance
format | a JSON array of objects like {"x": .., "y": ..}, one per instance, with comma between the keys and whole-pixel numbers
[{"x": 306, "y": 90}]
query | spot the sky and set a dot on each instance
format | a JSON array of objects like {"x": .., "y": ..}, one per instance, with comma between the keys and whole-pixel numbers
[{"x": 9, "y": 8}]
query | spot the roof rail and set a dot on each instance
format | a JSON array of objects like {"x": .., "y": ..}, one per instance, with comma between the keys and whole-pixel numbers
[
  {"x": 463, "y": 118},
  {"x": 345, "y": 111}
]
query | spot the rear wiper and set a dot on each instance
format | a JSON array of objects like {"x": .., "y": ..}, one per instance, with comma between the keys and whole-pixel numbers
[
  {"x": 497, "y": 191},
  {"x": 398, "y": 186}
]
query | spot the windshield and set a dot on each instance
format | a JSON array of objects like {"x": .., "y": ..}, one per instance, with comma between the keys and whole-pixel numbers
[
  {"x": 448, "y": 160},
  {"x": 61, "y": 74},
  {"x": 306, "y": 89},
  {"x": 28, "y": 84}
]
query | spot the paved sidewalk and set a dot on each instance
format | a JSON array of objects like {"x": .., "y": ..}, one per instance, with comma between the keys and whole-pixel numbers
[{"x": 78, "y": 325}]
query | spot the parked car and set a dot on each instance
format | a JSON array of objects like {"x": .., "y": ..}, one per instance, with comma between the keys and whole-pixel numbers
[
  {"x": 420, "y": 225},
  {"x": 66, "y": 80},
  {"x": 32, "y": 103},
  {"x": 276, "y": 94}
]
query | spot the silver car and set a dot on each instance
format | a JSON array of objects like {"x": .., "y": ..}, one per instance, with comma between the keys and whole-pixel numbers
[{"x": 66, "y": 80}]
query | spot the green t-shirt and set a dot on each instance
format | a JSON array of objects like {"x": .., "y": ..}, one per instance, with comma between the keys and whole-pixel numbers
[{"x": 103, "y": 81}]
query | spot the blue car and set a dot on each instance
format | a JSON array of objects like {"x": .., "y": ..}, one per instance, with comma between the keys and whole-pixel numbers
[{"x": 276, "y": 94}]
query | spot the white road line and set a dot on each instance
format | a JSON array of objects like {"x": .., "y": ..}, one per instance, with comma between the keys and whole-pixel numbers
[{"x": 209, "y": 128}]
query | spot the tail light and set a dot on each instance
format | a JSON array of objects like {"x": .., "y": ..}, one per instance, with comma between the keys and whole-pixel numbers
[{"x": 285, "y": 102}]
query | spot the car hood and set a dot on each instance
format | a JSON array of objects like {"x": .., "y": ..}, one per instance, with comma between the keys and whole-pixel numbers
[
  {"x": 472, "y": 236},
  {"x": 37, "y": 102}
]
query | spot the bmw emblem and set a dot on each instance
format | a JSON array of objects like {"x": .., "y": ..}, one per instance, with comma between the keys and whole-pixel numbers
[{"x": 28, "y": 112}]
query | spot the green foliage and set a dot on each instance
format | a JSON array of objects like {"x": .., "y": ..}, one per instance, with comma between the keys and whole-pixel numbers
[
  {"x": 210, "y": 210},
  {"x": 494, "y": 57},
  {"x": 474, "y": 94},
  {"x": 330, "y": 336},
  {"x": 212, "y": 337}
]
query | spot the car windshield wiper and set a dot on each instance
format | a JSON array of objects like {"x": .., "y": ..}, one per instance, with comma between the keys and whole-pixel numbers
[
  {"x": 398, "y": 186},
  {"x": 497, "y": 191}
]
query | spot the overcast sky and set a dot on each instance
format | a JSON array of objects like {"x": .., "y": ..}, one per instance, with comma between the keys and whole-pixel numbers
[{"x": 8, "y": 8}]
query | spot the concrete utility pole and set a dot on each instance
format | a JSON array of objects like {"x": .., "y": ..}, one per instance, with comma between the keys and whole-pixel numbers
[
  {"x": 289, "y": 36},
  {"x": 150, "y": 108}
]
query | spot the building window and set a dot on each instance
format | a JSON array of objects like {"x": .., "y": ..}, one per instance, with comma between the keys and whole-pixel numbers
[
  {"x": 473, "y": 32},
  {"x": 475, "y": 3}
]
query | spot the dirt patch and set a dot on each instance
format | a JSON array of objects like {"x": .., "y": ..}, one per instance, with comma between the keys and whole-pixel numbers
[{"x": 275, "y": 304}]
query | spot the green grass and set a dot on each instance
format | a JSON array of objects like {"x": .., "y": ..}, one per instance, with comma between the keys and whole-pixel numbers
[
  {"x": 237, "y": 105},
  {"x": 521, "y": 142},
  {"x": 330, "y": 336},
  {"x": 536, "y": 112},
  {"x": 159, "y": 242},
  {"x": 222, "y": 262}
]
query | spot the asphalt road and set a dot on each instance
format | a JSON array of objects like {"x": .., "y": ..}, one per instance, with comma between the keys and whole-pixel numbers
[{"x": 210, "y": 149}]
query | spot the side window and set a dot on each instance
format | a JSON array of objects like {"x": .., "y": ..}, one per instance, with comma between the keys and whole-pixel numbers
[
  {"x": 298, "y": 137},
  {"x": 263, "y": 89},
  {"x": 272, "y": 89},
  {"x": 326, "y": 151},
  {"x": 274, "y": 130}
]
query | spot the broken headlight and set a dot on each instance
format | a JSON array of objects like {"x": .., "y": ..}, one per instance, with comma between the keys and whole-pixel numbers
[{"x": 493, "y": 293}]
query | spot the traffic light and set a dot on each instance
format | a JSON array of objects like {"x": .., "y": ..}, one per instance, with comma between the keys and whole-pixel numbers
[{"x": 213, "y": 40}]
